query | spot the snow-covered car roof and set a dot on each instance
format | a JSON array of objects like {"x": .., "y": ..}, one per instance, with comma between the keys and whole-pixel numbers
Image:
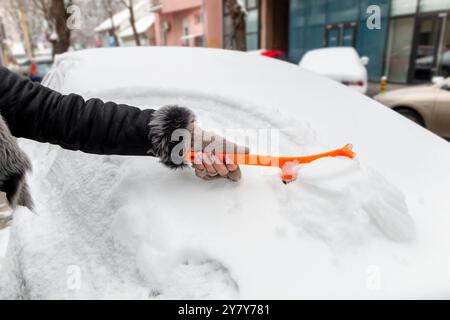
[
  {"x": 375, "y": 227},
  {"x": 339, "y": 63}
]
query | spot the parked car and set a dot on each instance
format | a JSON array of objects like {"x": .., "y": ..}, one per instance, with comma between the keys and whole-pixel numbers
[
  {"x": 426, "y": 64},
  {"x": 342, "y": 64},
  {"x": 19, "y": 61},
  {"x": 275, "y": 54},
  {"x": 21, "y": 65},
  {"x": 138, "y": 230},
  {"x": 40, "y": 67},
  {"x": 427, "y": 105}
]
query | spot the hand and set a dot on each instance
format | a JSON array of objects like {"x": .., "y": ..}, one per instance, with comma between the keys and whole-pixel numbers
[{"x": 210, "y": 164}]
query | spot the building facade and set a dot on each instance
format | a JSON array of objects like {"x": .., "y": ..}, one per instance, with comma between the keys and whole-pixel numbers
[
  {"x": 418, "y": 46},
  {"x": 194, "y": 23},
  {"x": 411, "y": 45},
  {"x": 266, "y": 24},
  {"x": 330, "y": 23},
  {"x": 409, "y": 40}
]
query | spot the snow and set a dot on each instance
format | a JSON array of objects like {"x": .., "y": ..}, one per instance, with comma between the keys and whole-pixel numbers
[
  {"x": 242, "y": 6},
  {"x": 119, "y": 18},
  {"x": 17, "y": 49},
  {"x": 192, "y": 36},
  {"x": 142, "y": 25},
  {"x": 126, "y": 227},
  {"x": 340, "y": 64}
]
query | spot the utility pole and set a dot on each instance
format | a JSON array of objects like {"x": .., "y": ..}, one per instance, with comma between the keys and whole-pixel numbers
[{"x": 25, "y": 30}]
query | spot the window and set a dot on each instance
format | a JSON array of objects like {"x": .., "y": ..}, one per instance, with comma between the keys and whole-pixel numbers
[
  {"x": 252, "y": 4},
  {"x": 185, "y": 30},
  {"x": 228, "y": 31},
  {"x": 198, "y": 18},
  {"x": 339, "y": 11},
  {"x": 399, "y": 49},
  {"x": 164, "y": 31},
  {"x": 199, "y": 42},
  {"x": 252, "y": 23},
  {"x": 403, "y": 7},
  {"x": 434, "y": 5},
  {"x": 444, "y": 62}
]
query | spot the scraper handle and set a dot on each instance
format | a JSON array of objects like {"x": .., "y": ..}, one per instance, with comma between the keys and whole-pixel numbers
[{"x": 271, "y": 161}]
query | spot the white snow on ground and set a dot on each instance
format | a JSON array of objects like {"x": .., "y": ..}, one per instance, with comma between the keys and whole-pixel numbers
[{"x": 126, "y": 227}]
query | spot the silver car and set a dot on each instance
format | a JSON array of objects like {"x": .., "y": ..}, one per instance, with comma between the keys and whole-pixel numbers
[{"x": 427, "y": 105}]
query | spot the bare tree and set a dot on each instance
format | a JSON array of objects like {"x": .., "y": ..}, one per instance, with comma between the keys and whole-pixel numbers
[
  {"x": 93, "y": 13},
  {"x": 13, "y": 8},
  {"x": 59, "y": 15},
  {"x": 43, "y": 26},
  {"x": 129, "y": 5},
  {"x": 238, "y": 14},
  {"x": 109, "y": 8},
  {"x": 55, "y": 14}
]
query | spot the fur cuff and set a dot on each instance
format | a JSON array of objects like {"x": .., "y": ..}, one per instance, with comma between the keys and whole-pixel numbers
[
  {"x": 164, "y": 122},
  {"x": 13, "y": 167}
]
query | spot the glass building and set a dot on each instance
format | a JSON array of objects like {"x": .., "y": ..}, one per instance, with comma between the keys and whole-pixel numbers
[
  {"x": 329, "y": 23},
  {"x": 411, "y": 45},
  {"x": 418, "y": 45}
]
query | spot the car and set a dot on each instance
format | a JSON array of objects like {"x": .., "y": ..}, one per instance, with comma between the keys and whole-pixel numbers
[
  {"x": 21, "y": 65},
  {"x": 425, "y": 65},
  {"x": 275, "y": 54},
  {"x": 127, "y": 227},
  {"x": 427, "y": 105},
  {"x": 19, "y": 60},
  {"x": 39, "y": 67},
  {"x": 341, "y": 64}
]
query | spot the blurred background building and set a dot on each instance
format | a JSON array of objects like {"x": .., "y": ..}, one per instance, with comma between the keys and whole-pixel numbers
[{"x": 411, "y": 46}]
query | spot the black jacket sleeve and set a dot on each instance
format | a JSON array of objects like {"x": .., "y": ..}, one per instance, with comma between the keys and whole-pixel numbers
[{"x": 35, "y": 112}]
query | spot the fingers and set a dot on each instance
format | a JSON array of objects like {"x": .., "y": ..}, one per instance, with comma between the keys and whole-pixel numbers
[
  {"x": 230, "y": 165},
  {"x": 208, "y": 164},
  {"x": 203, "y": 174},
  {"x": 212, "y": 143},
  {"x": 235, "y": 175},
  {"x": 231, "y": 147},
  {"x": 215, "y": 166},
  {"x": 220, "y": 167},
  {"x": 211, "y": 148},
  {"x": 199, "y": 162}
]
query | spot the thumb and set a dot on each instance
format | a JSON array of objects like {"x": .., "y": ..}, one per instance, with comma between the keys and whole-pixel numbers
[
  {"x": 212, "y": 142},
  {"x": 231, "y": 147}
]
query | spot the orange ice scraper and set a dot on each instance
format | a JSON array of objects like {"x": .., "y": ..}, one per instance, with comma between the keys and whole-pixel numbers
[{"x": 288, "y": 165}]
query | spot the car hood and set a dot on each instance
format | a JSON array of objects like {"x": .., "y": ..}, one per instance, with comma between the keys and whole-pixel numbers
[{"x": 137, "y": 230}]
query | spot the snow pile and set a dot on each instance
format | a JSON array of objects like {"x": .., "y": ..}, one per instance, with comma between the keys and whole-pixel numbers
[
  {"x": 338, "y": 202},
  {"x": 125, "y": 227}
]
